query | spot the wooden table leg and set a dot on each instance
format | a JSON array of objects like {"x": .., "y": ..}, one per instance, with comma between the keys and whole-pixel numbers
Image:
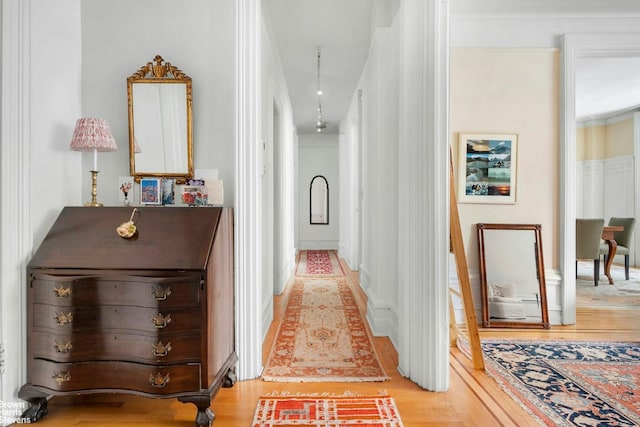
[{"x": 613, "y": 247}]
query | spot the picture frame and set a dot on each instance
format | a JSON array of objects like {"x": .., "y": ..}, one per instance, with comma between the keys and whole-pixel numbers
[
  {"x": 150, "y": 191},
  {"x": 168, "y": 191},
  {"x": 487, "y": 168}
]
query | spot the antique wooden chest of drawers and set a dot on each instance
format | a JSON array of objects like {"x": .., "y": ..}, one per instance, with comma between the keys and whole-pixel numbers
[{"x": 150, "y": 315}]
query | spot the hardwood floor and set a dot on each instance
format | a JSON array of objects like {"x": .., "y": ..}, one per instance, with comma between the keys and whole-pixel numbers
[{"x": 473, "y": 399}]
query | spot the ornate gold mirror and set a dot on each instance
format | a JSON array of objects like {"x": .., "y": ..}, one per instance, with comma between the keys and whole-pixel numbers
[
  {"x": 160, "y": 122},
  {"x": 512, "y": 278}
]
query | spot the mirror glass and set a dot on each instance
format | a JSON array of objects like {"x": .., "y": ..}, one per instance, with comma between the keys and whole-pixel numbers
[
  {"x": 512, "y": 278},
  {"x": 160, "y": 122},
  {"x": 319, "y": 200}
]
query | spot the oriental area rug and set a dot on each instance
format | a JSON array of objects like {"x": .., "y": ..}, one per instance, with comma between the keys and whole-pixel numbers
[
  {"x": 315, "y": 263},
  {"x": 369, "y": 411},
  {"x": 569, "y": 383},
  {"x": 622, "y": 294},
  {"x": 323, "y": 336}
]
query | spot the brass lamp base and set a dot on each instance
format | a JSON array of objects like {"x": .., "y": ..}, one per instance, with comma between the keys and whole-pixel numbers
[{"x": 94, "y": 191}]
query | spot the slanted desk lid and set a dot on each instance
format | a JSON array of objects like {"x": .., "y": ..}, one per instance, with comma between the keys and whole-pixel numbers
[{"x": 176, "y": 238}]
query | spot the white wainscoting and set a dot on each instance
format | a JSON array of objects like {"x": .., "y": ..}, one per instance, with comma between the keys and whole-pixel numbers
[
  {"x": 606, "y": 188},
  {"x": 553, "y": 287},
  {"x": 590, "y": 189}
]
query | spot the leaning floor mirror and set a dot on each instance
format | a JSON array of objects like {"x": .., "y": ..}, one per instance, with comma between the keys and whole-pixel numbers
[{"x": 512, "y": 278}]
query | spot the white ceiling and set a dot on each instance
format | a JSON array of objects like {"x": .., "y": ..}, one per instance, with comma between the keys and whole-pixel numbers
[
  {"x": 606, "y": 86},
  {"x": 342, "y": 29}
]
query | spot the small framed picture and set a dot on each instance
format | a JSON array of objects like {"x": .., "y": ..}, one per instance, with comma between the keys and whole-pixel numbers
[
  {"x": 150, "y": 191},
  {"x": 168, "y": 191}
]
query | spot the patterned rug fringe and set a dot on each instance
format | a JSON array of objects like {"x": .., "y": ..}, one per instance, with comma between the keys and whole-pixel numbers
[
  {"x": 347, "y": 393},
  {"x": 323, "y": 379}
]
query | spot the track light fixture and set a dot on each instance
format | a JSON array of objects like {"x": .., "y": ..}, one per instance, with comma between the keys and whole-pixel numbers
[{"x": 320, "y": 124}]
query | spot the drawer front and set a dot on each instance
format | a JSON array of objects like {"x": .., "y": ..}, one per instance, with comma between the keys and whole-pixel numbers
[
  {"x": 115, "y": 318},
  {"x": 159, "y": 349},
  {"x": 127, "y": 290},
  {"x": 71, "y": 377}
]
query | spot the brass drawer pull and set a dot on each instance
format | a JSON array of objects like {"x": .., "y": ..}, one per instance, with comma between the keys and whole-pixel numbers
[
  {"x": 61, "y": 377},
  {"x": 160, "y": 321},
  {"x": 61, "y": 292},
  {"x": 63, "y": 318},
  {"x": 158, "y": 380},
  {"x": 62, "y": 347},
  {"x": 161, "y": 294},
  {"x": 161, "y": 349}
]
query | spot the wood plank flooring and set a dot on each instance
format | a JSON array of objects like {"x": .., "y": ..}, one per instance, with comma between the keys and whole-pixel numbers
[{"x": 473, "y": 399}]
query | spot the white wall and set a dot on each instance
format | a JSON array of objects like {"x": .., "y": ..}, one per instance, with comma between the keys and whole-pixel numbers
[
  {"x": 379, "y": 85},
  {"x": 349, "y": 153},
  {"x": 40, "y": 102},
  {"x": 120, "y": 36},
  {"x": 318, "y": 155},
  {"x": 278, "y": 176}
]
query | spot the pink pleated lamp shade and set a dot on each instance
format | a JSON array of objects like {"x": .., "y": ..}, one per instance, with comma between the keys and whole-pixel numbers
[{"x": 92, "y": 134}]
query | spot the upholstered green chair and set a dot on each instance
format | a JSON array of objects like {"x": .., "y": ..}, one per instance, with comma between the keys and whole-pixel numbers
[
  {"x": 588, "y": 235},
  {"x": 623, "y": 239}
]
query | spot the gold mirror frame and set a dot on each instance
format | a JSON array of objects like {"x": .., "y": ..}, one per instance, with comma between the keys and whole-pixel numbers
[
  {"x": 151, "y": 83},
  {"x": 512, "y": 280}
]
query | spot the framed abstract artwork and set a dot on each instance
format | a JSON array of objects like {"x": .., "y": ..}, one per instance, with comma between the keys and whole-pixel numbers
[{"x": 487, "y": 168}]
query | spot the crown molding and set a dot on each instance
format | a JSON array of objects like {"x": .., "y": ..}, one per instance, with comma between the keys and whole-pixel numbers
[
  {"x": 544, "y": 7},
  {"x": 608, "y": 118}
]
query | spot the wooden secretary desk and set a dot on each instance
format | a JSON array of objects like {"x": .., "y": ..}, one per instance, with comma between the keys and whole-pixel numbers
[{"x": 152, "y": 315}]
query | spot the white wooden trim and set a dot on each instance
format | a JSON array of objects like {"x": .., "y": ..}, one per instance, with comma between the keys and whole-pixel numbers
[
  {"x": 423, "y": 200},
  {"x": 16, "y": 231},
  {"x": 248, "y": 190},
  {"x": 636, "y": 206},
  {"x": 578, "y": 46}
]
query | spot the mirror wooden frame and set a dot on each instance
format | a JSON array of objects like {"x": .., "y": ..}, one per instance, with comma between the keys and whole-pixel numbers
[
  {"x": 487, "y": 320},
  {"x": 161, "y": 73}
]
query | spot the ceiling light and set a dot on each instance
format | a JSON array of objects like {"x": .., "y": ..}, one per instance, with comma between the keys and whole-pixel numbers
[{"x": 320, "y": 124}]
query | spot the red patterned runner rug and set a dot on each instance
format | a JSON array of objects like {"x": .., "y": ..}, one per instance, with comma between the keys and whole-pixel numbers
[
  {"x": 369, "y": 411},
  {"x": 315, "y": 263},
  {"x": 323, "y": 336}
]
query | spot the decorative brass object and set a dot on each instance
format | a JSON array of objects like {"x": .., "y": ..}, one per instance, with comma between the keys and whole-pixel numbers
[
  {"x": 161, "y": 349},
  {"x": 63, "y": 318},
  {"x": 128, "y": 229},
  {"x": 160, "y": 321},
  {"x": 158, "y": 380},
  {"x": 161, "y": 294},
  {"x": 62, "y": 347},
  {"x": 61, "y": 292},
  {"x": 155, "y": 89},
  {"x": 61, "y": 377}
]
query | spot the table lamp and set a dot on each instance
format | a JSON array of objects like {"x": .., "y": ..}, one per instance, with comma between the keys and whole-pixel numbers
[{"x": 93, "y": 135}]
